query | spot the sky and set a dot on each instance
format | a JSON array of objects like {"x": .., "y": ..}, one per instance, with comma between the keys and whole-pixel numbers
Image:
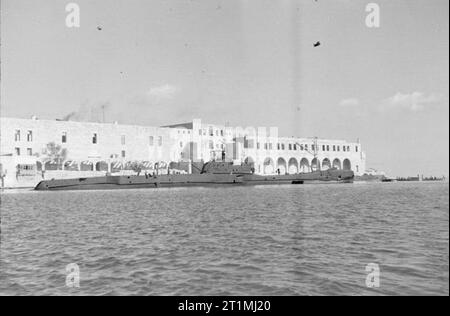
[{"x": 242, "y": 63}]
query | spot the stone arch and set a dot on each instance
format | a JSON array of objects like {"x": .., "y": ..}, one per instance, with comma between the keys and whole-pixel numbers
[
  {"x": 337, "y": 164},
  {"x": 315, "y": 164},
  {"x": 347, "y": 165},
  {"x": 71, "y": 165},
  {"x": 269, "y": 166},
  {"x": 163, "y": 167},
  {"x": 176, "y": 167},
  {"x": 281, "y": 165},
  {"x": 101, "y": 166},
  {"x": 116, "y": 166},
  {"x": 326, "y": 164},
  {"x": 304, "y": 165},
  {"x": 86, "y": 166},
  {"x": 147, "y": 165},
  {"x": 53, "y": 165},
  {"x": 249, "y": 161},
  {"x": 293, "y": 166}
]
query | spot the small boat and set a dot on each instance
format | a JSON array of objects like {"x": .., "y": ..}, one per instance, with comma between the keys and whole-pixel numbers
[{"x": 212, "y": 174}]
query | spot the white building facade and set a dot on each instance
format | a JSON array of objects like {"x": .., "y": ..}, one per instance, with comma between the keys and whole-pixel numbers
[{"x": 84, "y": 148}]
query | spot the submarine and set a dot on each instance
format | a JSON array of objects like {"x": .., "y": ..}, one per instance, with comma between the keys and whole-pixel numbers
[{"x": 213, "y": 173}]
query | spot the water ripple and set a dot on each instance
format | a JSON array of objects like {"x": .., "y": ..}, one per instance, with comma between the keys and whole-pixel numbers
[{"x": 269, "y": 240}]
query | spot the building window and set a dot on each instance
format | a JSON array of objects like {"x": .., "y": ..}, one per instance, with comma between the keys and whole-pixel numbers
[
  {"x": 343, "y": 148},
  {"x": 270, "y": 146},
  {"x": 17, "y": 150},
  {"x": 211, "y": 144},
  {"x": 17, "y": 135},
  {"x": 323, "y": 148},
  {"x": 334, "y": 148},
  {"x": 356, "y": 148},
  {"x": 64, "y": 137},
  {"x": 348, "y": 148},
  {"x": 160, "y": 141},
  {"x": 313, "y": 147},
  {"x": 123, "y": 153},
  {"x": 221, "y": 132},
  {"x": 338, "y": 148},
  {"x": 151, "y": 140},
  {"x": 29, "y": 151},
  {"x": 283, "y": 146},
  {"x": 328, "y": 147},
  {"x": 181, "y": 144},
  {"x": 122, "y": 139},
  {"x": 295, "y": 146},
  {"x": 29, "y": 136},
  {"x": 211, "y": 131},
  {"x": 94, "y": 138},
  {"x": 258, "y": 145},
  {"x": 290, "y": 146}
]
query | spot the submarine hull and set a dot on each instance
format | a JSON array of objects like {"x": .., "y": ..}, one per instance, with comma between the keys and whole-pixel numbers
[
  {"x": 132, "y": 182},
  {"x": 189, "y": 180},
  {"x": 323, "y": 177}
]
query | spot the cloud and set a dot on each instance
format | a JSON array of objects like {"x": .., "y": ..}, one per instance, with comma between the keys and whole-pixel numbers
[
  {"x": 165, "y": 91},
  {"x": 349, "y": 102},
  {"x": 415, "y": 101}
]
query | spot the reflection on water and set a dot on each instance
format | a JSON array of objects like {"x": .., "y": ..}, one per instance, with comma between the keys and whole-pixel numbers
[{"x": 269, "y": 240}]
